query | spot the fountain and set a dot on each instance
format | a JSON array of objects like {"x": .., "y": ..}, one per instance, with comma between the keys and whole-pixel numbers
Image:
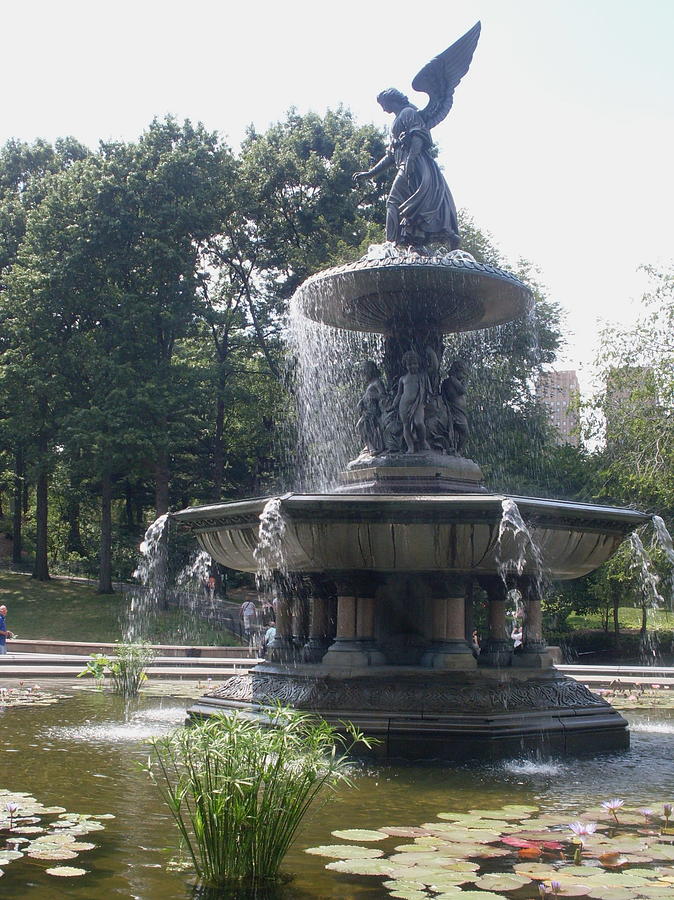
[{"x": 373, "y": 578}]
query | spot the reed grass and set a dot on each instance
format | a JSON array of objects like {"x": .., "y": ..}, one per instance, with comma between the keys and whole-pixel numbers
[
  {"x": 238, "y": 792},
  {"x": 127, "y": 668}
]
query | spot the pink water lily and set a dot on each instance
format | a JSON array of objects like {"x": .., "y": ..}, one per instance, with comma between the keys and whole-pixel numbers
[
  {"x": 612, "y": 806},
  {"x": 583, "y": 828}
]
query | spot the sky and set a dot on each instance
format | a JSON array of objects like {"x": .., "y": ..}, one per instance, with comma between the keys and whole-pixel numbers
[{"x": 560, "y": 141}]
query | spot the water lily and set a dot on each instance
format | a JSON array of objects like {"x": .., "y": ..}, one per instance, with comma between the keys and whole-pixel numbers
[
  {"x": 647, "y": 813},
  {"x": 612, "y": 806},
  {"x": 12, "y": 809},
  {"x": 580, "y": 829},
  {"x": 556, "y": 887},
  {"x": 543, "y": 891},
  {"x": 667, "y": 809}
]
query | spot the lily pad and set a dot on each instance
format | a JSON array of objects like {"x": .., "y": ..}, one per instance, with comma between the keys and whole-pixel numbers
[
  {"x": 469, "y": 895},
  {"x": 536, "y": 871},
  {"x": 404, "y": 831},
  {"x": 52, "y": 854},
  {"x": 409, "y": 894},
  {"x": 501, "y": 882},
  {"x": 662, "y": 851},
  {"x": 612, "y": 893},
  {"x": 66, "y": 872},
  {"x": 344, "y": 851},
  {"x": 359, "y": 834},
  {"x": 81, "y": 845},
  {"x": 362, "y": 867}
]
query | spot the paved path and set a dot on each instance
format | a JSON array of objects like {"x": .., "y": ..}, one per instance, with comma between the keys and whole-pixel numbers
[{"x": 172, "y": 662}]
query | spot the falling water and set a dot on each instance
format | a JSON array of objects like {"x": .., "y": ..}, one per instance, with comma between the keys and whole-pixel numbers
[
  {"x": 190, "y": 580},
  {"x": 152, "y": 574},
  {"x": 664, "y": 538},
  {"x": 652, "y": 599},
  {"x": 270, "y": 551},
  {"x": 327, "y": 376},
  {"x": 514, "y": 533}
]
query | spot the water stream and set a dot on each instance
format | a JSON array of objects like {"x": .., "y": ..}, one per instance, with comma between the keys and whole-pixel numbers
[{"x": 152, "y": 572}]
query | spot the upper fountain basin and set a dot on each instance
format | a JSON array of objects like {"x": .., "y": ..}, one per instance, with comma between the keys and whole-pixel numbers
[
  {"x": 447, "y": 291},
  {"x": 413, "y": 533}
]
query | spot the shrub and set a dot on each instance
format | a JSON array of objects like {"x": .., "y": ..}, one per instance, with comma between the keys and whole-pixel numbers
[
  {"x": 238, "y": 792},
  {"x": 126, "y": 668}
]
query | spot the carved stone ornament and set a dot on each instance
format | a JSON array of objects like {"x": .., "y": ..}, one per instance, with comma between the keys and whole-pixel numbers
[{"x": 401, "y": 696}]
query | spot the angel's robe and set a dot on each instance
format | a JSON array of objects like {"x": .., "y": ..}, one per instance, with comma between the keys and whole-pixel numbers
[{"x": 420, "y": 206}]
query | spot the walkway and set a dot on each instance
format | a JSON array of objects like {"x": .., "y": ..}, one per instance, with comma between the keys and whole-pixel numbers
[{"x": 43, "y": 659}]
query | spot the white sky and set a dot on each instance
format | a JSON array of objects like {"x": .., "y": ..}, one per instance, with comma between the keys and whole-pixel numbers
[{"x": 559, "y": 143}]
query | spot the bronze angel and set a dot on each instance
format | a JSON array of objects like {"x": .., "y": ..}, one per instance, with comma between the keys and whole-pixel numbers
[{"x": 420, "y": 207}]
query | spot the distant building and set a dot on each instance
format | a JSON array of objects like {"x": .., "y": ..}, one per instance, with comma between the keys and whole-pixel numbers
[{"x": 559, "y": 392}]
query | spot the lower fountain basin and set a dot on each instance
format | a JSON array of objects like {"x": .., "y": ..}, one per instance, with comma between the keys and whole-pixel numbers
[{"x": 451, "y": 533}]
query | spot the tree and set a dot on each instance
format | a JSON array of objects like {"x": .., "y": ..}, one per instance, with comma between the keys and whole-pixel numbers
[{"x": 634, "y": 412}]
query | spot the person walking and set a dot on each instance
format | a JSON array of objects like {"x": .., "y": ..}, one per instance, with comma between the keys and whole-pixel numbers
[
  {"x": 4, "y": 631},
  {"x": 247, "y": 612}
]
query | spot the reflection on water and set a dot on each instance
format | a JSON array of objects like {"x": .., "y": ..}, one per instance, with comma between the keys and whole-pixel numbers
[{"x": 84, "y": 754}]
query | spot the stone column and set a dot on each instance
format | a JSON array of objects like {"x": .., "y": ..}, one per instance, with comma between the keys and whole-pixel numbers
[
  {"x": 449, "y": 648},
  {"x": 354, "y": 644},
  {"x": 534, "y": 654},
  {"x": 319, "y": 627},
  {"x": 497, "y": 649},
  {"x": 282, "y": 648}
]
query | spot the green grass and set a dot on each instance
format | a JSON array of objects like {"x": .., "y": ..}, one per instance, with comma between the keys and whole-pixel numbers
[
  {"x": 628, "y": 617},
  {"x": 62, "y": 610}
]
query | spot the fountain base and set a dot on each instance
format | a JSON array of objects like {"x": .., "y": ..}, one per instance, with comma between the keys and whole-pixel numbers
[
  {"x": 419, "y": 713},
  {"x": 428, "y": 472}
]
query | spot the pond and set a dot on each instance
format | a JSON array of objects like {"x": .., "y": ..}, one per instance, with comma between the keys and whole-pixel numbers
[{"x": 85, "y": 754}]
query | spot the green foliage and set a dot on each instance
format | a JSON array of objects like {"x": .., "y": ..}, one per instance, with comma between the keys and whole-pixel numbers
[
  {"x": 126, "y": 668},
  {"x": 633, "y": 412},
  {"x": 97, "y": 666},
  {"x": 238, "y": 792}
]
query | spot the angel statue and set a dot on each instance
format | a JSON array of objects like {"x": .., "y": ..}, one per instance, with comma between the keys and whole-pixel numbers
[{"x": 420, "y": 207}]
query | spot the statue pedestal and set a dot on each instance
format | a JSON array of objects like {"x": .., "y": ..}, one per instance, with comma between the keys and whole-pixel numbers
[
  {"x": 411, "y": 473},
  {"x": 449, "y": 655}
]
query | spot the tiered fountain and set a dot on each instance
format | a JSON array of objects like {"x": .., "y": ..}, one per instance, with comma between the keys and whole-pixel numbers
[{"x": 373, "y": 578}]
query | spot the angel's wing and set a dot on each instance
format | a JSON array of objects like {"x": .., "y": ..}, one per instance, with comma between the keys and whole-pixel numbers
[{"x": 440, "y": 76}]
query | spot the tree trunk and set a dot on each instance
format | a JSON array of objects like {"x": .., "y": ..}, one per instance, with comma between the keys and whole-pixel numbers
[
  {"x": 615, "y": 598},
  {"x": 74, "y": 542},
  {"x": 644, "y": 618},
  {"x": 17, "y": 535},
  {"x": 41, "y": 568},
  {"x": 105, "y": 570},
  {"x": 162, "y": 476},
  {"x": 218, "y": 449}
]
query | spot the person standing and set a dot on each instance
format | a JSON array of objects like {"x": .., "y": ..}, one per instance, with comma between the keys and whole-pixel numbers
[
  {"x": 247, "y": 612},
  {"x": 4, "y": 631}
]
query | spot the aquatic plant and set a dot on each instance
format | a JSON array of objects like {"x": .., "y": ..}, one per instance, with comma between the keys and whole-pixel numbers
[
  {"x": 612, "y": 806},
  {"x": 238, "y": 792},
  {"x": 126, "y": 668},
  {"x": 485, "y": 854}
]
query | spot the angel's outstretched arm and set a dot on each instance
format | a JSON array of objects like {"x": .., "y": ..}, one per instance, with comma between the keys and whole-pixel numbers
[{"x": 384, "y": 163}]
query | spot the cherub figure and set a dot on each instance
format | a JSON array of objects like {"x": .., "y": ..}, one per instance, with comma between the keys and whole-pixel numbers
[
  {"x": 420, "y": 207},
  {"x": 370, "y": 407},
  {"x": 410, "y": 401},
  {"x": 453, "y": 390}
]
